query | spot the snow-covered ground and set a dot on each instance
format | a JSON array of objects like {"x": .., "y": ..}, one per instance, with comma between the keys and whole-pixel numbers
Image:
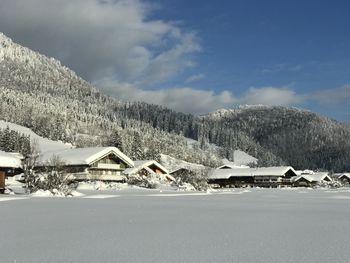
[
  {"x": 135, "y": 225},
  {"x": 43, "y": 144}
]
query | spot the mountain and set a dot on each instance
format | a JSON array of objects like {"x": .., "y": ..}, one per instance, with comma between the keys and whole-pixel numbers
[
  {"x": 39, "y": 93},
  {"x": 300, "y": 138}
]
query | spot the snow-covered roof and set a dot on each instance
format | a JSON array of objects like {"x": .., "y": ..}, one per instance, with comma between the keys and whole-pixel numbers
[
  {"x": 316, "y": 177},
  {"x": 300, "y": 172},
  {"x": 84, "y": 156},
  {"x": 145, "y": 164},
  {"x": 12, "y": 160},
  {"x": 174, "y": 164},
  {"x": 250, "y": 172},
  {"x": 232, "y": 166},
  {"x": 347, "y": 175}
]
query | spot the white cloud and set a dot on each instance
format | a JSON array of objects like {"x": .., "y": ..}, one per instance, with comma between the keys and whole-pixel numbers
[
  {"x": 101, "y": 38},
  {"x": 282, "y": 67},
  {"x": 332, "y": 96},
  {"x": 194, "y": 78},
  {"x": 184, "y": 99},
  {"x": 198, "y": 101},
  {"x": 272, "y": 96}
]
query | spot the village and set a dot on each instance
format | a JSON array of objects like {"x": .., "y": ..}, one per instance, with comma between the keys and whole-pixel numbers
[{"x": 110, "y": 165}]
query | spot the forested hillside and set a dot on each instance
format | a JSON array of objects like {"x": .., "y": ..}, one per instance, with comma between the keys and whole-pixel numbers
[
  {"x": 301, "y": 138},
  {"x": 39, "y": 93}
]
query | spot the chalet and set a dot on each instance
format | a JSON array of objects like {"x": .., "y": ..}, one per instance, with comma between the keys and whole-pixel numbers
[
  {"x": 95, "y": 163},
  {"x": 263, "y": 176},
  {"x": 344, "y": 178},
  {"x": 148, "y": 167},
  {"x": 309, "y": 180}
]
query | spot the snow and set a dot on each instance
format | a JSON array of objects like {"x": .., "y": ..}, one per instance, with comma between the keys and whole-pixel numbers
[
  {"x": 44, "y": 144},
  {"x": 261, "y": 171},
  {"x": 10, "y": 160},
  {"x": 83, "y": 156},
  {"x": 173, "y": 164},
  {"x": 55, "y": 193},
  {"x": 98, "y": 185},
  {"x": 242, "y": 158},
  {"x": 140, "y": 164},
  {"x": 263, "y": 225},
  {"x": 231, "y": 165},
  {"x": 314, "y": 177}
]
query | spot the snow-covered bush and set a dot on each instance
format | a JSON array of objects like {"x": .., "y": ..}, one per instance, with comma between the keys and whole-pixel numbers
[
  {"x": 197, "y": 178},
  {"x": 331, "y": 184},
  {"x": 51, "y": 177},
  {"x": 143, "y": 181}
]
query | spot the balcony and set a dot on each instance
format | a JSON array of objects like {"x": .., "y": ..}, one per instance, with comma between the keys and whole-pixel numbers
[{"x": 108, "y": 166}]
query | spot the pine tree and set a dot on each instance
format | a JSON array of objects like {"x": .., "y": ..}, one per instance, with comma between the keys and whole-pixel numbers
[{"x": 137, "y": 147}]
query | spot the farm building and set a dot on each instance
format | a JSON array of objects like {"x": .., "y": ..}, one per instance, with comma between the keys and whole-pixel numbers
[
  {"x": 309, "y": 180},
  {"x": 263, "y": 176},
  {"x": 148, "y": 167},
  {"x": 95, "y": 163}
]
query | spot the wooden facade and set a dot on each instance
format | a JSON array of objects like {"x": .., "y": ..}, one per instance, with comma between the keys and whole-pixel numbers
[
  {"x": 2, "y": 182},
  {"x": 82, "y": 164}
]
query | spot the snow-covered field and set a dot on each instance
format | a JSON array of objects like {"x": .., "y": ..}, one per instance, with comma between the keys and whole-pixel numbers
[{"x": 134, "y": 225}]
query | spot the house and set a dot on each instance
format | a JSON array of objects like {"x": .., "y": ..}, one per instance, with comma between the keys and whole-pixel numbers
[
  {"x": 344, "y": 178},
  {"x": 309, "y": 180},
  {"x": 94, "y": 163},
  {"x": 148, "y": 167},
  {"x": 263, "y": 176}
]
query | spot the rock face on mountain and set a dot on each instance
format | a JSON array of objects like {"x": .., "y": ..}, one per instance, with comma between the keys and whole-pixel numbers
[{"x": 39, "y": 93}]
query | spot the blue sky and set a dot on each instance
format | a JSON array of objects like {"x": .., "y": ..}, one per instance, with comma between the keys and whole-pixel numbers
[
  {"x": 304, "y": 45},
  {"x": 197, "y": 56}
]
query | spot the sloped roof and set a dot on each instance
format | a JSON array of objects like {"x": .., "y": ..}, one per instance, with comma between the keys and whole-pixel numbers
[
  {"x": 250, "y": 172},
  {"x": 141, "y": 164},
  {"x": 316, "y": 177},
  {"x": 347, "y": 175},
  {"x": 174, "y": 164},
  {"x": 10, "y": 160},
  {"x": 84, "y": 156},
  {"x": 232, "y": 166}
]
